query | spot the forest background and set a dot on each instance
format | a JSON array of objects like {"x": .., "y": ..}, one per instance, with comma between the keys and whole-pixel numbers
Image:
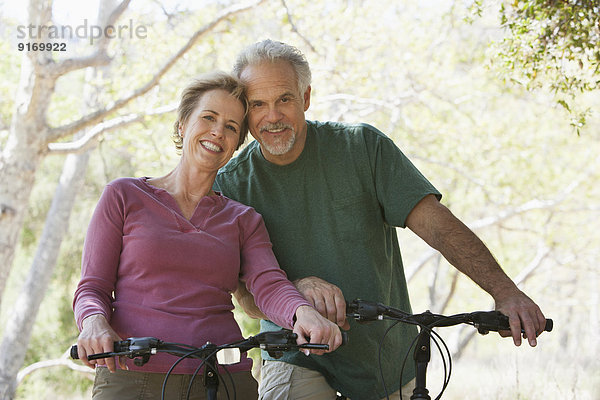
[{"x": 496, "y": 103}]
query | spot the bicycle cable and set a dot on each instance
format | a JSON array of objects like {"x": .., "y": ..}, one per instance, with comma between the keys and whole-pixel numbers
[{"x": 437, "y": 339}]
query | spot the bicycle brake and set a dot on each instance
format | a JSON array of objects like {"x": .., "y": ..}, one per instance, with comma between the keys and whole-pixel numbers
[
  {"x": 486, "y": 321},
  {"x": 364, "y": 311},
  {"x": 275, "y": 343}
]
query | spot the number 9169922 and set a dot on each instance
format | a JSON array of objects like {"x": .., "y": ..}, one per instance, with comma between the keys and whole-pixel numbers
[{"x": 59, "y": 46}]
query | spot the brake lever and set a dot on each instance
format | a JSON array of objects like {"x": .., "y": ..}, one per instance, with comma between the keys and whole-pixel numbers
[
  {"x": 137, "y": 348},
  {"x": 364, "y": 311},
  {"x": 275, "y": 343},
  {"x": 109, "y": 354}
]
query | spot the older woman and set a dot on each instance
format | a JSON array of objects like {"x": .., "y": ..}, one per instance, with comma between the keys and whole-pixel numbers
[{"x": 162, "y": 256}]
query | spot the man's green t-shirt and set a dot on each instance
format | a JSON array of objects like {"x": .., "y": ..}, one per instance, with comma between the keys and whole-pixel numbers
[{"x": 332, "y": 213}]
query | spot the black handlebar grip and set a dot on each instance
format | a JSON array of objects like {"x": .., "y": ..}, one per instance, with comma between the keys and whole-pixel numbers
[
  {"x": 345, "y": 338},
  {"x": 74, "y": 354},
  {"x": 548, "y": 327},
  {"x": 486, "y": 321}
]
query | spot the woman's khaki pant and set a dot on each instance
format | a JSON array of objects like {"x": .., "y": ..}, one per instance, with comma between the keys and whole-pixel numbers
[{"x": 134, "y": 385}]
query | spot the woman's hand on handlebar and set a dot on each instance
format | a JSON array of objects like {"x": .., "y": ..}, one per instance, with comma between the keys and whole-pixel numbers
[
  {"x": 97, "y": 336},
  {"x": 310, "y": 325}
]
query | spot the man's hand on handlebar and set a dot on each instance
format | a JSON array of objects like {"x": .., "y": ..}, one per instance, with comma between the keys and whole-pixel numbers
[
  {"x": 98, "y": 337},
  {"x": 523, "y": 314},
  {"x": 327, "y": 299},
  {"x": 310, "y": 324}
]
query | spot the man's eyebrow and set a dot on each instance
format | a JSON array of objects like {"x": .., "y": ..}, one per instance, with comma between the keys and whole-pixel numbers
[{"x": 286, "y": 94}]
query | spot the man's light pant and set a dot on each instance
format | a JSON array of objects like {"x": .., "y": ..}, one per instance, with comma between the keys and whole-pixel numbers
[{"x": 283, "y": 381}]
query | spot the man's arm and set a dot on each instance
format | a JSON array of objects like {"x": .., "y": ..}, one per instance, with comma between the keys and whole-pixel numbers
[
  {"x": 437, "y": 226},
  {"x": 324, "y": 296}
]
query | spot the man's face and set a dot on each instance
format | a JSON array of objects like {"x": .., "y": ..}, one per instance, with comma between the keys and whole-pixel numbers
[{"x": 276, "y": 112}]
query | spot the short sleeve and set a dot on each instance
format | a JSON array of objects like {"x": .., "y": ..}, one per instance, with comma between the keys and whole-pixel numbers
[{"x": 399, "y": 185}]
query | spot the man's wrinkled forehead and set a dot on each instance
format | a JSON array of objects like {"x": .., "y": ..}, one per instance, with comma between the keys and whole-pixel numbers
[{"x": 278, "y": 76}]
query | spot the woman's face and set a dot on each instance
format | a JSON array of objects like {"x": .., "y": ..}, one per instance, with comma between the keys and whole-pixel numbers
[{"x": 211, "y": 133}]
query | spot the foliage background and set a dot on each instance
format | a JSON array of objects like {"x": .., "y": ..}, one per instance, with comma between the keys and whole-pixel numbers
[{"x": 429, "y": 74}]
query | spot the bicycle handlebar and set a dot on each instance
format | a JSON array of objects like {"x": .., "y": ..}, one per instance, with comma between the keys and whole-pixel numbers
[
  {"x": 273, "y": 342},
  {"x": 131, "y": 347},
  {"x": 484, "y": 321}
]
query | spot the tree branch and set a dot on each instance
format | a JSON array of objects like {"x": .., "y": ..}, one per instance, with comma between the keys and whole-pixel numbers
[
  {"x": 448, "y": 166},
  {"x": 64, "y": 361},
  {"x": 111, "y": 20},
  {"x": 163, "y": 9},
  {"x": 99, "y": 58},
  {"x": 412, "y": 271},
  {"x": 542, "y": 252},
  {"x": 294, "y": 29},
  {"x": 90, "y": 139},
  {"x": 531, "y": 205},
  {"x": 397, "y": 100},
  {"x": 95, "y": 117},
  {"x": 495, "y": 220},
  {"x": 448, "y": 297}
]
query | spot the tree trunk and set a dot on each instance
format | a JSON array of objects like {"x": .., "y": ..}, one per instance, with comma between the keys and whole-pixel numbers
[
  {"x": 20, "y": 325},
  {"x": 18, "y": 164},
  {"x": 24, "y": 148}
]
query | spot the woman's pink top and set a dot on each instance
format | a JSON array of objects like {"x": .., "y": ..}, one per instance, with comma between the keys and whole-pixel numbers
[{"x": 152, "y": 272}]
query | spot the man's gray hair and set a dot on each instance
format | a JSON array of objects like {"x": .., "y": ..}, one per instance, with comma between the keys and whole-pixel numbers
[{"x": 272, "y": 51}]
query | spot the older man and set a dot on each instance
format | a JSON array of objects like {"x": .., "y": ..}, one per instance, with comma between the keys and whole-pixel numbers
[{"x": 331, "y": 195}]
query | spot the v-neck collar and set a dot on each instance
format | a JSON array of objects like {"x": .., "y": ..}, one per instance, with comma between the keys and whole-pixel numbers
[{"x": 203, "y": 210}]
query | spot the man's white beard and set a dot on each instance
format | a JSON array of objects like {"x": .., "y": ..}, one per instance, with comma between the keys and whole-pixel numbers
[{"x": 280, "y": 146}]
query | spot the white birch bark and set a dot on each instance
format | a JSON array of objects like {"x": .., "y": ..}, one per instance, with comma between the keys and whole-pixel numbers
[{"x": 21, "y": 321}]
